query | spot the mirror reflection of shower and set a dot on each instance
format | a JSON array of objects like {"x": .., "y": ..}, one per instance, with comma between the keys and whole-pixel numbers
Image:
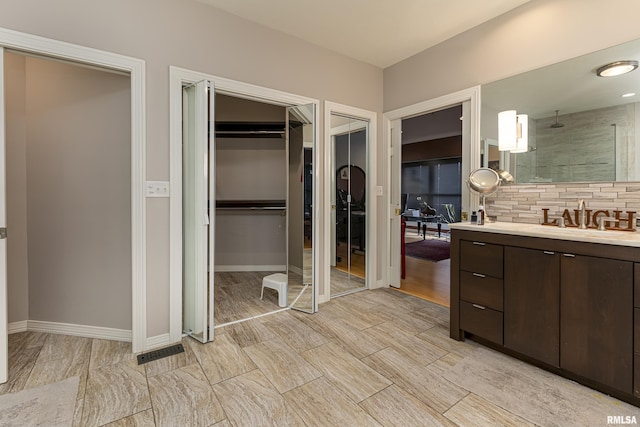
[{"x": 349, "y": 137}]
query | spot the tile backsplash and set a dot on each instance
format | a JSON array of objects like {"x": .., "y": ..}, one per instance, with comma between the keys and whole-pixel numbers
[{"x": 524, "y": 202}]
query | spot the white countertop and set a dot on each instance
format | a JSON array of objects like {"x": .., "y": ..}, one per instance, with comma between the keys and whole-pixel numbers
[{"x": 609, "y": 237}]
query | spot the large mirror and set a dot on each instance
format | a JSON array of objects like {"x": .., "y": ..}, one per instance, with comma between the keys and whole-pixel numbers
[
  {"x": 349, "y": 140},
  {"x": 300, "y": 213},
  {"x": 581, "y": 127}
]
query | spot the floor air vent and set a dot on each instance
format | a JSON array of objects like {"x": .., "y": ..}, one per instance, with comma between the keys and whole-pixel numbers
[{"x": 160, "y": 353}]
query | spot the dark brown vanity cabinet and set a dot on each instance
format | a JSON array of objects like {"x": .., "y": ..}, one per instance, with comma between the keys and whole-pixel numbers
[
  {"x": 636, "y": 329},
  {"x": 532, "y": 302},
  {"x": 481, "y": 289},
  {"x": 596, "y": 297},
  {"x": 573, "y": 307}
]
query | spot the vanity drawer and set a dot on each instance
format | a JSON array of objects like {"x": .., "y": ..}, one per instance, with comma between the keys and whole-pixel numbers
[
  {"x": 481, "y": 321},
  {"x": 480, "y": 257},
  {"x": 481, "y": 289}
]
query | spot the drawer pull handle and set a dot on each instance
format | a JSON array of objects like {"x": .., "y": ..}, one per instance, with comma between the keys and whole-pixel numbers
[
  {"x": 479, "y": 243},
  {"x": 549, "y": 253},
  {"x": 569, "y": 255},
  {"x": 479, "y": 306},
  {"x": 479, "y": 275}
]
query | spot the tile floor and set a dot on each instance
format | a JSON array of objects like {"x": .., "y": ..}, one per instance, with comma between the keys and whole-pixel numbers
[{"x": 367, "y": 359}]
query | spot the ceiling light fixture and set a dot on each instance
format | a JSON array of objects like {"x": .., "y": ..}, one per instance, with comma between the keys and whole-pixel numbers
[
  {"x": 628, "y": 95},
  {"x": 617, "y": 68}
]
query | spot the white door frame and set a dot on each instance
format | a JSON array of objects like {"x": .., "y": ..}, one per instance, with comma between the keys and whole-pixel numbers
[
  {"x": 470, "y": 159},
  {"x": 136, "y": 69},
  {"x": 371, "y": 238},
  {"x": 177, "y": 78}
]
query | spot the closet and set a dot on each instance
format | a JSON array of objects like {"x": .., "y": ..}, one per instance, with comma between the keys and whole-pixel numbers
[
  {"x": 247, "y": 201},
  {"x": 250, "y": 205}
]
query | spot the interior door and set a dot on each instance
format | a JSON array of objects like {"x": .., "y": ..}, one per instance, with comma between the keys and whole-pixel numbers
[
  {"x": 198, "y": 215},
  {"x": 3, "y": 241},
  {"x": 395, "y": 163},
  {"x": 300, "y": 134}
]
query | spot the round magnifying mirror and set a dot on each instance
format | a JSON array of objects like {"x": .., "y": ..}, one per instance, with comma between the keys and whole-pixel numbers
[{"x": 484, "y": 181}]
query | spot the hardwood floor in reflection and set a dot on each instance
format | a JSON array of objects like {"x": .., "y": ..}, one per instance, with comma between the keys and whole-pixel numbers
[{"x": 427, "y": 279}]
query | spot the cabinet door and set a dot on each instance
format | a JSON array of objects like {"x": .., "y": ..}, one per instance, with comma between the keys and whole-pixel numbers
[
  {"x": 532, "y": 303},
  {"x": 597, "y": 319}
]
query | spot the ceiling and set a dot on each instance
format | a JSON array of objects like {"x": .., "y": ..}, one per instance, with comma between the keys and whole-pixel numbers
[
  {"x": 570, "y": 86},
  {"x": 378, "y": 32}
]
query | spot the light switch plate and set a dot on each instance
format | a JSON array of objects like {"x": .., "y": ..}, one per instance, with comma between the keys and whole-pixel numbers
[
  {"x": 157, "y": 189},
  {"x": 379, "y": 190}
]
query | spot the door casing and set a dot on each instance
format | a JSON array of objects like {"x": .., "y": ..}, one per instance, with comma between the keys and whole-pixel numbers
[
  {"x": 28, "y": 43},
  {"x": 470, "y": 100}
]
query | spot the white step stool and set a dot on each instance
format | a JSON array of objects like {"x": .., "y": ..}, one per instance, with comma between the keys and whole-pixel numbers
[{"x": 277, "y": 281}]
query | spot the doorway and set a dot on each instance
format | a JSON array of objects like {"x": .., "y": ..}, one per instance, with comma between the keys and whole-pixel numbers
[
  {"x": 470, "y": 100},
  {"x": 431, "y": 186},
  {"x": 67, "y": 140},
  {"x": 68, "y": 194},
  {"x": 255, "y": 228}
]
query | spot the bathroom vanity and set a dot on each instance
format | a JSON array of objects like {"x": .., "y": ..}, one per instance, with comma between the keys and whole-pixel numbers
[{"x": 567, "y": 300}]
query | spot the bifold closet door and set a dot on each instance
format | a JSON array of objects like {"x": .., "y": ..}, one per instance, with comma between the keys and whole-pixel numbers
[
  {"x": 3, "y": 236},
  {"x": 197, "y": 183},
  {"x": 300, "y": 131}
]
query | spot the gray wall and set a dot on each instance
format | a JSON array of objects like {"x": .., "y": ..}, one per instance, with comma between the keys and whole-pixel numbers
[
  {"x": 195, "y": 36},
  {"x": 250, "y": 169},
  {"x": 72, "y": 195},
  {"x": 533, "y": 35},
  {"x": 16, "y": 173}
]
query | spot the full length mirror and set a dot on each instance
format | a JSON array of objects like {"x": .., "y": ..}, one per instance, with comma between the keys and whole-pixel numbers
[
  {"x": 581, "y": 127},
  {"x": 300, "y": 208},
  {"x": 349, "y": 140}
]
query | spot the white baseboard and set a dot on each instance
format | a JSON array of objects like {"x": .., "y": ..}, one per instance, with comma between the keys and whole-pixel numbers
[
  {"x": 379, "y": 284},
  {"x": 295, "y": 269},
  {"x": 15, "y": 327},
  {"x": 157, "y": 341},
  {"x": 79, "y": 330},
  {"x": 232, "y": 268}
]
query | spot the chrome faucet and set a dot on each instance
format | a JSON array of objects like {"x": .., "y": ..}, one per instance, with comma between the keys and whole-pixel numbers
[{"x": 582, "y": 215}]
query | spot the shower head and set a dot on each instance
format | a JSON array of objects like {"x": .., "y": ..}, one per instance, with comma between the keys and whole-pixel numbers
[{"x": 556, "y": 124}]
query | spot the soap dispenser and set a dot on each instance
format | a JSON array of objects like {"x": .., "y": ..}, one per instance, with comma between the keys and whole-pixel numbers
[{"x": 480, "y": 220}]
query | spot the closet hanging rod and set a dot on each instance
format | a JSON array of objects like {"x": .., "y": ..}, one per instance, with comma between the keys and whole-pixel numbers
[
  {"x": 251, "y": 204},
  {"x": 252, "y": 208},
  {"x": 251, "y": 133}
]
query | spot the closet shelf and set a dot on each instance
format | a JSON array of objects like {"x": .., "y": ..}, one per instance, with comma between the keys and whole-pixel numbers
[
  {"x": 251, "y": 205},
  {"x": 249, "y": 130}
]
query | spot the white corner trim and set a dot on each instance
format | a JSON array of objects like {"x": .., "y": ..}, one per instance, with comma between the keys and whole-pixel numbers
[
  {"x": 159, "y": 341},
  {"x": 136, "y": 69},
  {"x": 79, "y": 330},
  {"x": 15, "y": 327}
]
